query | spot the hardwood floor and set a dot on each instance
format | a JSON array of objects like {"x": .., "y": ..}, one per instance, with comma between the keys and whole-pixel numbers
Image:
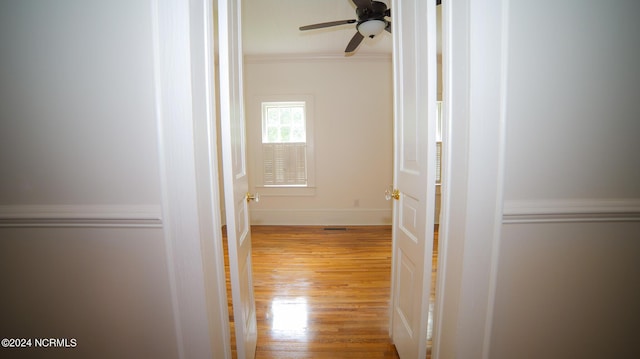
[{"x": 321, "y": 293}]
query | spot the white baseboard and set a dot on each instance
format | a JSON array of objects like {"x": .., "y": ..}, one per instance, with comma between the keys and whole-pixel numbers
[
  {"x": 80, "y": 216},
  {"x": 587, "y": 210},
  {"x": 321, "y": 217}
]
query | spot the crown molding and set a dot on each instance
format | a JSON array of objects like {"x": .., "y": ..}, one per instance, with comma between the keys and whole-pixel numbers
[{"x": 319, "y": 57}]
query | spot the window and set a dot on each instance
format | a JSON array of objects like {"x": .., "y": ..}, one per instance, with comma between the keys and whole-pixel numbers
[{"x": 286, "y": 149}]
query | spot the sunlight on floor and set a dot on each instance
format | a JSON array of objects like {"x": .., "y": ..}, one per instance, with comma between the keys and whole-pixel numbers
[{"x": 289, "y": 316}]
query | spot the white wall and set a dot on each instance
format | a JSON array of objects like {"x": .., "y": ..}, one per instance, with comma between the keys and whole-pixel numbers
[
  {"x": 82, "y": 251},
  {"x": 570, "y": 243},
  {"x": 105, "y": 287},
  {"x": 572, "y": 101},
  {"x": 72, "y": 83},
  {"x": 567, "y": 291},
  {"x": 353, "y": 124},
  {"x": 541, "y": 261}
]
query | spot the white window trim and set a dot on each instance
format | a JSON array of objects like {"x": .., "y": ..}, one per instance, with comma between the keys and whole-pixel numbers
[{"x": 309, "y": 189}]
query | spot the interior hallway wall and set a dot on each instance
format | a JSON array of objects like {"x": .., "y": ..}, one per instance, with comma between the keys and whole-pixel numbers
[
  {"x": 570, "y": 247},
  {"x": 82, "y": 253}
]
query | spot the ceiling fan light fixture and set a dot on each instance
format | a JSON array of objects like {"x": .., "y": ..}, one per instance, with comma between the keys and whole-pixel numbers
[{"x": 371, "y": 28}]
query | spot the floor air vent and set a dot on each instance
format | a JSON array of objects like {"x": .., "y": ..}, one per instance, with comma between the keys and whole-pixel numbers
[{"x": 335, "y": 228}]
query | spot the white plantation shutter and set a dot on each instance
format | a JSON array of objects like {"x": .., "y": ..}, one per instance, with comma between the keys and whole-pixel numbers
[
  {"x": 439, "y": 143},
  {"x": 284, "y": 164}
]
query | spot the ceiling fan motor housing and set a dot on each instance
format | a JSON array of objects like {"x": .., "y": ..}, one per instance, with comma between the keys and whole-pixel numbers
[
  {"x": 375, "y": 12},
  {"x": 371, "y": 20}
]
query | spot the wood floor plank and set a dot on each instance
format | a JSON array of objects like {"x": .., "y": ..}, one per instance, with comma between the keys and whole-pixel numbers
[{"x": 321, "y": 293}]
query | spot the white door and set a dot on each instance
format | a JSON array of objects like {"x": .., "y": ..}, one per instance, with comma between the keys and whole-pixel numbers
[
  {"x": 235, "y": 177},
  {"x": 414, "y": 51}
]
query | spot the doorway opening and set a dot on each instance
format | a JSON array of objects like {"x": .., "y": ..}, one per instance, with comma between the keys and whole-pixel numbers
[{"x": 301, "y": 304}]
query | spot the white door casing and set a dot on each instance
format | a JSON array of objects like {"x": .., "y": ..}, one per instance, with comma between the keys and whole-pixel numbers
[
  {"x": 414, "y": 66},
  {"x": 236, "y": 177}
]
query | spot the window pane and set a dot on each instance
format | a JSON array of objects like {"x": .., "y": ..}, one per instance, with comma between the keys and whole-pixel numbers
[
  {"x": 285, "y": 133},
  {"x": 285, "y": 116},
  {"x": 272, "y": 134},
  {"x": 283, "y": 122},
  {"x": 439, "y": 121},
  {"x": 298, "y": 135},
  {"x": 272, "y": 116}
]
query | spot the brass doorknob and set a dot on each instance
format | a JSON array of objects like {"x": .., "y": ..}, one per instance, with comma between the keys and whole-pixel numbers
[
  {"x": 253, "y": 197},
  {"x": 392, "y": 193}
]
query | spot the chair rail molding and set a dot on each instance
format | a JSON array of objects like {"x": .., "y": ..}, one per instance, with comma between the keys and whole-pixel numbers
[
  {"x": 124, "y": 215},
  {"x": 571, "y": 210}
]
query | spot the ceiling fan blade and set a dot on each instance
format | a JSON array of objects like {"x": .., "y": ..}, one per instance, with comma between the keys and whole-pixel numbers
[
  {"x": 327, "y": 24},
  {"x": 388, "y": 27},
  {"x": 355, "y": 41}
]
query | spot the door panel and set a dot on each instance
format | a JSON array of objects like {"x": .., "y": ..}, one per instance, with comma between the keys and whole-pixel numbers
[
  {"x": 405, "y": 296},
  {"x": 235, "y": 177},
  {"x": 414, "y": 173}
]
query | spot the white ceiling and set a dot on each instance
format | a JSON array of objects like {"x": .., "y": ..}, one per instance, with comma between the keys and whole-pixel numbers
[{"x": 271, "y": 27}]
